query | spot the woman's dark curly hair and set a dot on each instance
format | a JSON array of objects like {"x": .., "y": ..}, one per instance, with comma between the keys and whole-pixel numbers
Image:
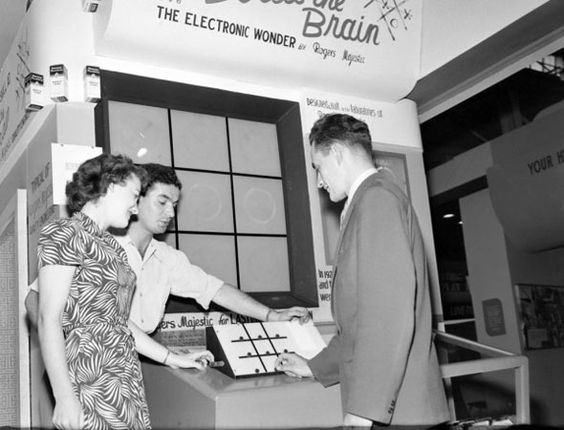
[{"x": 94, "y": 176}]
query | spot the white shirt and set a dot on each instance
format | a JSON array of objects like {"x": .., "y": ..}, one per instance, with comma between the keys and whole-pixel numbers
[
  {"x": 359, "y": 180},
  {"x": 164, "y": 270}
]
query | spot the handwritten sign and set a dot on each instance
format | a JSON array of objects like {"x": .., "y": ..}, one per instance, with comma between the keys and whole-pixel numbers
[
  {"x": 40, "y": 206},
  {"x": 13, "y": 115},
  {"x": 368, "y": 47},
  {"x": 324, "y": 280}
]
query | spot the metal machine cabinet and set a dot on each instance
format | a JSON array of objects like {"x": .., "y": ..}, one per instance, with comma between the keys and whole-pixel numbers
[{"x": 209, "y": 399}]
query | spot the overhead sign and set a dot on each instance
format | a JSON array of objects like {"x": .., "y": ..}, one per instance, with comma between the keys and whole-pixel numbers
[
  {"x": 526, "y": 183},
  {"x": 362, "y": 47},
  {"x": 526, "y": 193}
]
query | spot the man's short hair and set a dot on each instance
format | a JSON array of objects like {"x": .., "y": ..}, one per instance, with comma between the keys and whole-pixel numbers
[
  {"x": 342, "y": 128},
  {"x": 157, "y": 173}
]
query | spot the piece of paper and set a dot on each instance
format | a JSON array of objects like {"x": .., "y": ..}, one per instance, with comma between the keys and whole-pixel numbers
[{"x": 66, "y": 159}]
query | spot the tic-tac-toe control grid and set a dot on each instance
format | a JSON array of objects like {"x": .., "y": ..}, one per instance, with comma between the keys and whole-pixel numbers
[{"x": 252, "y": 348}]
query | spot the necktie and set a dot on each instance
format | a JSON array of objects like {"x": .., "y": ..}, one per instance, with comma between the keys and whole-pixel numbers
[{"x": 344, "y": 212}]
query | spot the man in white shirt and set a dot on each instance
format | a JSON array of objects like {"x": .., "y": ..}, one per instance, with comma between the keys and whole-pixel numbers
[{"x": 163, "y": 270}]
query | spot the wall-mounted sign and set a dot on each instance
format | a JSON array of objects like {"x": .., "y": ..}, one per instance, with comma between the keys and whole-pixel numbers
[
  {"x": 65, "y": 161},
  {"x": 526, "y": 183},
  {"x": 363, "y": 47},
  {"x": 389, "y": 123},
  {"x": 493, "y": 317},
  {"x": 541, "y": 311},
  {"x": 39, "y": 185},
  {"x": 49, "y": 169},
  {"x": 526, "y": 193},
  {"x": 13, "y": 115}
]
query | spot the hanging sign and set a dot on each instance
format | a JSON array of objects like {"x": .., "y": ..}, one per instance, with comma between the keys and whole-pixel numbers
[
  {"x": 526, "y": 184},
  {"x": 363, "y": 47}
]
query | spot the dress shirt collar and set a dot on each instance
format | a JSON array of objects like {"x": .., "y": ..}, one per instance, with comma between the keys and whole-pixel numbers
[
  {"x": 359, "y": 180},
  {"x": 151, "y": 249}
]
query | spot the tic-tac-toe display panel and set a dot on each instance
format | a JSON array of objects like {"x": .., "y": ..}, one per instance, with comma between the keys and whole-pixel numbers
[{"x": 251, "y": 349}]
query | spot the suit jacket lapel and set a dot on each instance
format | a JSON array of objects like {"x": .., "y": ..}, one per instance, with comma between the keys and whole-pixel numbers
[{"x": 365, "y": 184}]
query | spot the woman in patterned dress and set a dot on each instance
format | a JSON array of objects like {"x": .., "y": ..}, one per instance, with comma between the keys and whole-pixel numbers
[{"x": 85, "y": 291}]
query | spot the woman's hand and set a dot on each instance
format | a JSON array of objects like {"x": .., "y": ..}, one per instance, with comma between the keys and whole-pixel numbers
[
  {"x": 197, "y": 360},
  {"x": 68, "y": 414}
]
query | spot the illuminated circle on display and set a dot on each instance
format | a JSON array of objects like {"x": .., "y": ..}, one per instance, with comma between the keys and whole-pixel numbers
[
  {"x": 259, "y": 205},
  {"x": 206, "y": 201}
]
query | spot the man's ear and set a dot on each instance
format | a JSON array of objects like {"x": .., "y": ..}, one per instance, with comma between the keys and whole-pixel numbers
[{"x": 338, "y": 149}]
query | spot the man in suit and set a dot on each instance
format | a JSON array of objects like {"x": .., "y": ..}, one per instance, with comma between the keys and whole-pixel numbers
[{"x": 383, "y": 354}]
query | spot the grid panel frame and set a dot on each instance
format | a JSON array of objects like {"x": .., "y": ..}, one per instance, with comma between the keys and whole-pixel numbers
[{"x": 284, "y": 114}]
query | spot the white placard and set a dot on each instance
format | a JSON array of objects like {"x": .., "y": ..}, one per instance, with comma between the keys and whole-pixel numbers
[
  {"x": 65, "y": 161},
  {"x": 370, "y": 48}
]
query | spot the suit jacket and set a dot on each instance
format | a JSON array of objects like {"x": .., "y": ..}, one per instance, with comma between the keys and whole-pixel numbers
[{"x": 383, "y": 354}]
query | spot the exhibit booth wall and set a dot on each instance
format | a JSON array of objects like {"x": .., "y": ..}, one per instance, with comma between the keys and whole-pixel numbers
[
  {"x": 322, "y": 74},
  {"x": 366, "y": 63},
  {"x": 360, "y": 58}
]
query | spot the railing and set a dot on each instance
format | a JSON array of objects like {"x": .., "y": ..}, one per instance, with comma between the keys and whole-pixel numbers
[{"x": 497, "y": 359}]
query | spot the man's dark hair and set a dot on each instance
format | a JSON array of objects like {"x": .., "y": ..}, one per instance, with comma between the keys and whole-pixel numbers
[
  {"x": 342, "y": 128},
  {"x": 94, "y": 176},
  {"x": 161, "y": 174}
]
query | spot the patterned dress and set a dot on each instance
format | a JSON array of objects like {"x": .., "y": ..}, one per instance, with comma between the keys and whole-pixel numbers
[{"x": 103, "y": 364}]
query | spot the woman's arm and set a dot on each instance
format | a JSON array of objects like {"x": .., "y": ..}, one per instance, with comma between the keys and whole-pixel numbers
[
  {"x": 148, "y": 347},
  {"x": 54, "y": 287}
]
